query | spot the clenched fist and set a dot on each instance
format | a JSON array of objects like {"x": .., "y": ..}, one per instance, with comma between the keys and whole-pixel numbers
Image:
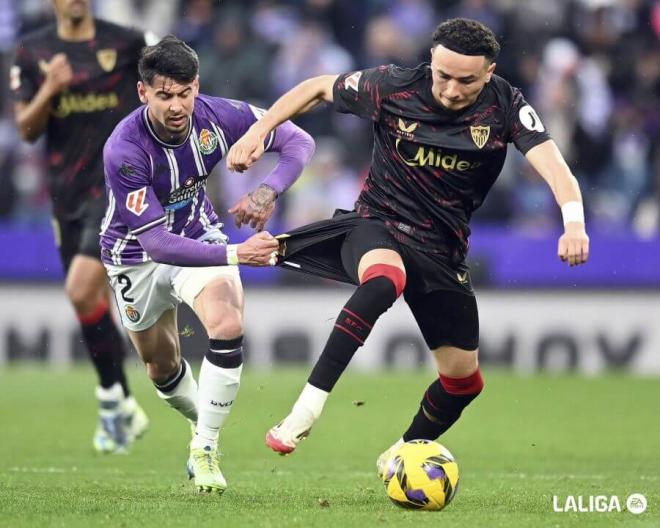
[
  {"x": 59, "y": 73},
  {"x": 258, "y": 250},
  {"x": 573, "y": 245},
  {"x": 246, "y": 151}
]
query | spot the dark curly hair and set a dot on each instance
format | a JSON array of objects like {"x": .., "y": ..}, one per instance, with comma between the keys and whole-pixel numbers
[
  {"x": 467, "y": 37},
  {"x": 171, "y": 58}
]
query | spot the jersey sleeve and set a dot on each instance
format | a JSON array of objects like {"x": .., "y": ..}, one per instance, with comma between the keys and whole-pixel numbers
[
  {"x": 128, "y": 178},
  {"x": 23, "y": 75},
  {"x": 526, "y": 130},
  {"x": 361, "y": 92},
  {"x": 236, "y": 117}
]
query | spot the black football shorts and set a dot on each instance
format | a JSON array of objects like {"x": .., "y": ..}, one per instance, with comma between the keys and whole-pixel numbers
[
  {"x": 80, "y": 235},
  {"x": 439, "y": 294}
]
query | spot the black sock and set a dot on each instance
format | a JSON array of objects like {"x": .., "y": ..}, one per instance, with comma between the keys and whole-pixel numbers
[
  {"x": 440, "y": 409},
  {"x": 366, "y": 305},
  {"x": 171, "y": 383},
  {"x": 106, "y": 350}
]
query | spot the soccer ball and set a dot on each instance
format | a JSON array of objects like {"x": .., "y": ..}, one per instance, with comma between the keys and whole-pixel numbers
[{"x": 421, "y": 475}]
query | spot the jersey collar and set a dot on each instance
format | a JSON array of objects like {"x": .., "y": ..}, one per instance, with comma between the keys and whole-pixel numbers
[{"x": 162, "y": 143}]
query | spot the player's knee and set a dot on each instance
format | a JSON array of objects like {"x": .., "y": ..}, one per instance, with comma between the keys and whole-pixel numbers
[
  {"x": 393, "y": 274},
  {"x": 84, "y": 300},
  {"x": 228, "y": 325},
  {"x": 161, "y": 370}
]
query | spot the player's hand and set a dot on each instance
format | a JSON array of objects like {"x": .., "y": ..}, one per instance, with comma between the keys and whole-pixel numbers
[
  {"x": 258, "y": 250},
  {"x": 573, "y": 245},
  {"x": 246, "y": 151},
  {"x": 255, "y": 208},
  {"x": 59, "y": 73}
]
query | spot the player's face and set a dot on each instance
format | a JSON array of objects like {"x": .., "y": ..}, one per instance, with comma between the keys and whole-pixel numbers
[
  {"x": 170, "y": 104},
  {"x": 73, "y": 9},
  {"x": 458, "y": 79}
]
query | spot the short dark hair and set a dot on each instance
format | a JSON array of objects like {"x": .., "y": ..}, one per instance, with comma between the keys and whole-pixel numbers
[
  {"x": 171, "y": 58},
  {"x": 467, "y": 37}
]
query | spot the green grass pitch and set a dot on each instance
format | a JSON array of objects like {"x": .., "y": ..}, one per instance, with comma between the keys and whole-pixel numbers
[{"x": 523, "y": 441}]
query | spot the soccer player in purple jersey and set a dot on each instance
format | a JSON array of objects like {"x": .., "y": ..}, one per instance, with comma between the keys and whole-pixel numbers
[
  {"x": 162, "y": 242},
  {"x": 440, "y": 137},
  {"x": 72, "y": 82}
]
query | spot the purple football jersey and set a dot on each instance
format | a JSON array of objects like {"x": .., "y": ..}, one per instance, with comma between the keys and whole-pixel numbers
[{"x": 149, "y": 182}]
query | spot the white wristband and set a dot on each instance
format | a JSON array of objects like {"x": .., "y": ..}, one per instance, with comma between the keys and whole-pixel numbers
[
  {"x": 232, "y": 254},
  {"x": 572, "y": 212}
]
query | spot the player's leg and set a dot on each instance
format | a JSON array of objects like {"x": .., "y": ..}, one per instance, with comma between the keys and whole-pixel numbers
[
  {"x": 371, "y": 256},
  {"x": 147, "y": 306},
  {"x": 459, "y": 382},
  {"x": 87, "y": 288},
  {"x": 450, "y": 324},
  {"x": 216, "y": 296},
  {"x": 158, "y": 346}
]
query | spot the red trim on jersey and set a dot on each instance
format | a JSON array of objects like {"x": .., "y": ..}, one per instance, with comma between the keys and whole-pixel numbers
[
  {"x": 463, "y": 386},
  {"x": 357, "y": 317},
  {"x": 428, "y": 400},
  {"x": 350, "y": 333},
  {"x": 394, "y": 273},
  {"x": 95, "y": 316}
]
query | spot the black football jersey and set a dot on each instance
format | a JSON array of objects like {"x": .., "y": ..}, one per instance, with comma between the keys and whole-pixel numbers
[
  {"x": 432, "y": 167},
  {"x": 82, "y": 117}
]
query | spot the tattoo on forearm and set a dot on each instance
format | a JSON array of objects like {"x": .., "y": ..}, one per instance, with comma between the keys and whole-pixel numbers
[{"x": 262, "y": 197}]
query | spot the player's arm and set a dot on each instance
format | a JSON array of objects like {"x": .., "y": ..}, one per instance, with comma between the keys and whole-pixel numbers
[
  {"x": 128, "y": 176},
  {"x": 167, "y": 248},
  {"x": 298, "y": 100},
  {"x": 295, "y": 148},
  {"x": 32, "y": 117},
  {"x": 573, "y": 246}
]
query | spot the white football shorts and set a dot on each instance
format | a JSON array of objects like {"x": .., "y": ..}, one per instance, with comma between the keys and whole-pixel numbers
[{"x": 145, "y": 291}]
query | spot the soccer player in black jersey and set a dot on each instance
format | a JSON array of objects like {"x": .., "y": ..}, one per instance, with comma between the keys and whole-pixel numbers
[
  {"x": 73, "y": 81},
  {"x": 440, "y": 137}
]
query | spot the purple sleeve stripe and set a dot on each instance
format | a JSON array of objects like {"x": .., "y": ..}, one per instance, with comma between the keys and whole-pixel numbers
[{"x": 149, "y": 225}]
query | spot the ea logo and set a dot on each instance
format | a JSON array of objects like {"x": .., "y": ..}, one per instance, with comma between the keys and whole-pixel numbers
[
  {"x": 636, "y": 503},
  {"x": 529, "y": 119}
]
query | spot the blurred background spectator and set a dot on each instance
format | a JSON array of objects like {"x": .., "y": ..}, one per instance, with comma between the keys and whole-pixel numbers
[{"x": 590, "y": 67}]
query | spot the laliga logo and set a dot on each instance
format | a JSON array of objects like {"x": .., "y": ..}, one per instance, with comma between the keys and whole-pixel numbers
[{"x": 636, "y": 503}]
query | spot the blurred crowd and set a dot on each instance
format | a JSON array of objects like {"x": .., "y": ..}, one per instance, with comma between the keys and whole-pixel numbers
[{"x": 591, "y": 68}]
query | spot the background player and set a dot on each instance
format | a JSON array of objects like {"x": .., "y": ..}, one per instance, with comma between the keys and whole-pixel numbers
[
  {"x": 73, "y": 81},
  {"x": 440, "y": 137},
  {"x": 162, "y": 242}
]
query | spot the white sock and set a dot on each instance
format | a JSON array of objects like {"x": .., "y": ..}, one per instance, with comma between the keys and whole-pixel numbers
[
  {"x": 110, "y": 398},
  {"x": 128, "y": 405},
  {"x": 218, "y": 387},
  {"x": 181, "y": 392},
  {"x": 311, "y": 401}
]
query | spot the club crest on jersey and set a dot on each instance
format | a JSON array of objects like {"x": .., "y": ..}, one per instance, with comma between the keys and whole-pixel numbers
[
  {"x": 135, "y": 201},
  {"x": 132, "y": 314},
  {"x": 208, "y": 141},
  {"x": 480, "y": 135},
  {"x": 407, "y": 130},
  {"x": 107, "y": 59}
]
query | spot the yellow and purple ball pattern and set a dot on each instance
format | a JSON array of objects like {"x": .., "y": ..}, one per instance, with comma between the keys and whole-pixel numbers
[{"x": 421, "y": 475}]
